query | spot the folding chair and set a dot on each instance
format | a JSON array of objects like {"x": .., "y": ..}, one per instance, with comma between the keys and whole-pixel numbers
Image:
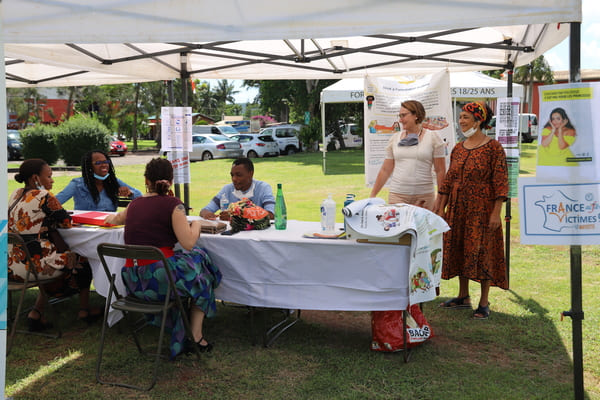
[
  {"x": 132, "y": 304},
  {"x": 31, "y": 281}
]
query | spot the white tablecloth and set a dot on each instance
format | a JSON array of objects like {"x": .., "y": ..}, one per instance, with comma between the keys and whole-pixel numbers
[{"x": 282, "y": 269}]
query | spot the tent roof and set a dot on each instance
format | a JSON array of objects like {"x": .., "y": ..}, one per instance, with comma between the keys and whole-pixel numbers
[
  {"x": 462, "y": 85},
  {"x": 143, "y": 39}
]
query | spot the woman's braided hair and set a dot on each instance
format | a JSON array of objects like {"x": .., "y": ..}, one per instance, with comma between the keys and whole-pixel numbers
[{"x": 111, "y": 185}]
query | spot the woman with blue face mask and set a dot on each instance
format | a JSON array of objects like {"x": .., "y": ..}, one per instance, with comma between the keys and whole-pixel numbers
[{"x": 98, "y": 189}]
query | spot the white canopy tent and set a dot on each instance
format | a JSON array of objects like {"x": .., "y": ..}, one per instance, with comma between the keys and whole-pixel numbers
[
  {"x": 141, "y": 40},
  {"x": 149, "y": 40}
]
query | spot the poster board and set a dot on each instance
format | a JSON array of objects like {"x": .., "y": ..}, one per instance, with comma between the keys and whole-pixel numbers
[
  {"x": 176, "y": 140},
  {"x": 383, "y": 97}
]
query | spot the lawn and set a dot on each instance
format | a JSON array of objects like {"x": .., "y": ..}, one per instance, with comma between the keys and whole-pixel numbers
[{"x": 522, "y": 352}]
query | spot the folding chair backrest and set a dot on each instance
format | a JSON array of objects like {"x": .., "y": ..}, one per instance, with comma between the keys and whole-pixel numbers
[
  {"x": 134, "y": 252},
  {"x": 16, "y": 240}
]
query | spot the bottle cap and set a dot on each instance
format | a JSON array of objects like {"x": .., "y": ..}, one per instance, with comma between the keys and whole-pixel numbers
[{"x": 279, "y": 186}]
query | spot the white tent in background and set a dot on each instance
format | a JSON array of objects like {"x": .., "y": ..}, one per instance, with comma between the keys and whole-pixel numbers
[{"x": 462, "y": 85}]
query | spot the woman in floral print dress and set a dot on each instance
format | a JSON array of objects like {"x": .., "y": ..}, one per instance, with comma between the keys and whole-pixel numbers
[
  {"x": 471, "y": 200},
  {"x": 33, "y": 212}
]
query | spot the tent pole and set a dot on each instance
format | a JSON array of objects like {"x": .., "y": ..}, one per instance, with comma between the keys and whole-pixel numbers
[
  {"x": 507, "y": 214},
  {"x": 185, "y": 76},
  {"x": 576, "y": 312},
  {"x": 323, "y": 138}
]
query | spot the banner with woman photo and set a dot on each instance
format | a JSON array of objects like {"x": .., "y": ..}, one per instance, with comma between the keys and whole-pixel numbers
[
  {"x": 568, "y": 143},
  {"x": 383, "y": 97}
]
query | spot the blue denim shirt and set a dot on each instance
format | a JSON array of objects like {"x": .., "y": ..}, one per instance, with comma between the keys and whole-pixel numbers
[{"x": 83, "y": 198}]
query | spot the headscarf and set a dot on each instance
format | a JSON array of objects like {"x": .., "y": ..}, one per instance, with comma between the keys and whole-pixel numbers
[{"x": 477, "y": 109}]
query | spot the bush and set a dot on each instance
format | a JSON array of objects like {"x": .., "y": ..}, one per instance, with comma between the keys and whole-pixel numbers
[
  {"x": 39, "y": 142},
  {"x": 80, "y": 134},
  {"x": 310, "y": 134}
]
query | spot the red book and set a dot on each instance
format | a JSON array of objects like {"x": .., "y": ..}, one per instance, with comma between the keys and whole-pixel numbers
[{"x": 91, "y": 218}]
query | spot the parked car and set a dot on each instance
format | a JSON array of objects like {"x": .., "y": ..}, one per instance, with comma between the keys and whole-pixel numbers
[
  {"x": 14, "y": 147},
  {"x": 215, "y": 129},
  {"x": 286, "y": 137},
  {"x": 257, "y": 145},
  {"x": 209, "y": 146},
  {"x": 528, "y": 127},
  {"x": 351, "y": 134},
  {"x": 118, "y": 147}
]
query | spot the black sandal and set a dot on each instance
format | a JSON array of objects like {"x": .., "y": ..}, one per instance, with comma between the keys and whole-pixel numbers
[
  {"x": 482, "y": 312},
  {"x": 188, "y": 346},
  {"x": 457, "y": 302},
  {"x": 37, "y": 325}
]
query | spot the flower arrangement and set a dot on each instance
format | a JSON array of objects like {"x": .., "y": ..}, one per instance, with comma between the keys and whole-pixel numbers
[{"x": 246, "y": 216}]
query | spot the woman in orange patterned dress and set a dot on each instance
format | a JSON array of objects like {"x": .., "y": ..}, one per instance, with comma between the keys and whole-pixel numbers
[
  {"x": 33, "y": 212},
  {"x": 471, "y": 200}
]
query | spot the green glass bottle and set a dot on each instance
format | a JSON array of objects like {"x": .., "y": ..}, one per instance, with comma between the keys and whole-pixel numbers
[{"x": 280, "y": 210}]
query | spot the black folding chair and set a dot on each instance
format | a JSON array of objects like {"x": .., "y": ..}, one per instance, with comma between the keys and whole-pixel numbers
[
  {"x": 131, "y": 304},
  {"x": 31, "y": 280}
]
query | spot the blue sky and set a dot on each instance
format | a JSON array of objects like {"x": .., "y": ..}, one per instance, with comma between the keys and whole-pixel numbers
[{"x": 558, "y": 57}]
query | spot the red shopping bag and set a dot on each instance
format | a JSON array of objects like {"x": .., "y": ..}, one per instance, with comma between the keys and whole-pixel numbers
[{"x": 388, "y": 333}]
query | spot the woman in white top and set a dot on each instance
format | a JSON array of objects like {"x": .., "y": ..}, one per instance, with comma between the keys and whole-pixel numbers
[{"x": 410, "y": 156}]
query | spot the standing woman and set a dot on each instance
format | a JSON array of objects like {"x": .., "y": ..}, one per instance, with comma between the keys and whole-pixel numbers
[
  {"x": 410, "y": 155},
  {"x": 34, "y": 212},
  {"x": 471, "y": 200},
  {"x": 98, "y": 189},
  {"x": 157, "y": 219}
]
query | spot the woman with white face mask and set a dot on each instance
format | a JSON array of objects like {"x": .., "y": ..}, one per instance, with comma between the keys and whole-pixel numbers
[
  {"x": 470, "y": 200},
  {"x": 98, "y": 188}
]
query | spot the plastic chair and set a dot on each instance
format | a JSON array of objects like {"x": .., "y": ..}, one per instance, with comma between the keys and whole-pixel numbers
[
  {"x": 31, "y": 281},
  {"x": 131, "y": 304}
]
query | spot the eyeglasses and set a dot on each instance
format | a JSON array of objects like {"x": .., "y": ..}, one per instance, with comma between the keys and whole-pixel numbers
[
  {"x": 402, "y": 115},
  {"x": 101, "y": 162}
]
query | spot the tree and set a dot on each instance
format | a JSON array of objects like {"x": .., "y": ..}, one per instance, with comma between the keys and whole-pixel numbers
[
  {"x": 26, "y": 104},
  {"x": 288, "y": 100},
  {"x": 224, "y": 92},
  {"x": 537, "y": 71}
]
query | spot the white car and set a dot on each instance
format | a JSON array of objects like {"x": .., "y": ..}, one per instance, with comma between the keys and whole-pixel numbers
[
  {"x": 350, "y": 134},
  {"x": 207, "y": 147},
  {"x": 254, "y": 145},
  {"x": 286, "y": 137}
]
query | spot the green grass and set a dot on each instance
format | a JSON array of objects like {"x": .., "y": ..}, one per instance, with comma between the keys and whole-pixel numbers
[{"x": 522, "y": 352}]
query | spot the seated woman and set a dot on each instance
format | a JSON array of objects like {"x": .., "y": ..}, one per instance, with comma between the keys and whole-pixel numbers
[
  {"x": 98, "y": 189},
  {"x": 159, "y": 220},
  {"x": 33, "y": 212}
]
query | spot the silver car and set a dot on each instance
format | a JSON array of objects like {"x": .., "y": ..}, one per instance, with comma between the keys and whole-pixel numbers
[
  {"x": 257, "y": 145},
  {"x": 209, "y": 146}
]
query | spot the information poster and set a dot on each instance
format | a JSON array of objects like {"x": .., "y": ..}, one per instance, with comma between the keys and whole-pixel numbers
[
  {"x": 383, "y": 97},
  {"x": 507, "y": 133},
  {"x": 568, "y": 148},
  {"x": 559, "y": 214},
  {"x": 176, "y": 140}
]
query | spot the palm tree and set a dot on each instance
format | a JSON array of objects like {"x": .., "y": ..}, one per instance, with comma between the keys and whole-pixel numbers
[{"x": 225, "y": 91}]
